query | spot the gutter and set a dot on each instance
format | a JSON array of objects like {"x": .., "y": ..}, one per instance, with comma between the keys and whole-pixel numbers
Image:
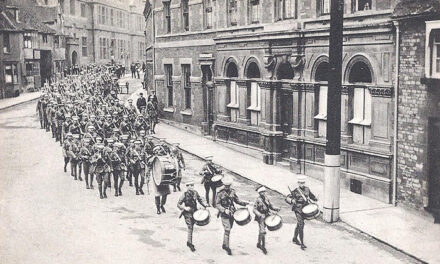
[{"x": 396, "y": 116}]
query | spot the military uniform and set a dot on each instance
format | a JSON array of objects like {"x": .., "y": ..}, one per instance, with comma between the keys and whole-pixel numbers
[
  {"x": 85, "y": 154},
  {"x": 262, "y": 207},
  {"x": 137, "y": 163},
  {"x": 189, "y": 200},
  {"x": 177, "y": 155},
  {"x": 225, "y": 204},
  {"x": 208, "y": 171},
  {"x": 299, "y": 198}
]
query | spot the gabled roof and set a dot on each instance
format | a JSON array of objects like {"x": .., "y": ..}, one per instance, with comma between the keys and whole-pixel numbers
[
  {"x": 411, "y": 8},
  {"x": 28, "y": 18}
]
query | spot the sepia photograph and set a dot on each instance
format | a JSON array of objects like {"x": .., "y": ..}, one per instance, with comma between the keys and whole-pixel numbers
[{"x": 219, "y": 131}]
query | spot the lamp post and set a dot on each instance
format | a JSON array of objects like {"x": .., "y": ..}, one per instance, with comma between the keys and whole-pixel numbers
[{"x": 333, "y": 147}]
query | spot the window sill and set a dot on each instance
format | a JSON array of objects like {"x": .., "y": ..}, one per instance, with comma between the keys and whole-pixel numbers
[
  {"x": 169, "y": 109},
  {"x": 231, "y": 105},
  {"x": 254, "y": 108},
  {"x": 186, "y": 112},
  {"x": 322, "y": 117},
  {"x": 360, "y": 122}
]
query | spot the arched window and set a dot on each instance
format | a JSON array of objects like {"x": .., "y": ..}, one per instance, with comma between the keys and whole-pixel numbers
[
  {"x": 254, "y": 93},
  {"x": 321, "y": 73},
  {"x": 285, "y": 71},
  {"x": 360, "y": 73},
  {"x": 232, "y": 72}
]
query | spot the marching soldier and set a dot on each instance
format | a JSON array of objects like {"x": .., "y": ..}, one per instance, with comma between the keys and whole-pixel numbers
[
  {"x": 86, "y": 154},
  {"x": 299, "y": 198},
  {"x": 137, "y": 161},
  {"x": 208, "y": 171},
  {"x": 188, "y": 204},
  {"x": 225, "y": 204},
  {"x": 73, "y": 154},
  {"x": 66, "y": 147},
  {"x": 101, "y": 169},
  {"x": 117, "y": 165},
  {"x": 262, "y": 209},
  {"x": 177, "y": 155}
]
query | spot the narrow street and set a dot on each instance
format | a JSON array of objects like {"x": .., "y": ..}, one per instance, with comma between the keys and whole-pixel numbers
[{"x": 47, "y": 217}]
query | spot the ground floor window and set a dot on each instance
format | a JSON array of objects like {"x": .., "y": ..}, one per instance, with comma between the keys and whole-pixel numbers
[
  {"x": 361, "y": 115},
  {"x": 322, "y": 111},
  {"x": 11, "y": 73},
  {"x": 255, "y": 101},
  {"x": 234, "y": 103},
  {"x": 32, "y": 68}
]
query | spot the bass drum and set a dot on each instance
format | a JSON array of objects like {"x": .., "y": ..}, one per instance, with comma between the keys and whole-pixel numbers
[
  {"x": 273, "y": 222},
  {"x": 202, "y": 217},
  {"x": 311, "y": 211},
  {"x": 164, "y": 170}
]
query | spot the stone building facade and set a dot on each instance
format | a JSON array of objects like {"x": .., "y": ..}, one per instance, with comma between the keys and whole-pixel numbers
[
  {"x": 252, "y": 74},
  {"x": 418, "y": 148},
  {"x": 103, "y": 31}
]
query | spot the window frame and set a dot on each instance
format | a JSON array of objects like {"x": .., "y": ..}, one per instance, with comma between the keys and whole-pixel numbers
[
  {"x": 355, "y": 6},
  {"x": 435, "y": 61},
  {"x": 6, "y": 43},
  {"x": 168, "y": 68},
  {"x": 186, "y": 83},
  {"x": 13, "y": 75},
  {"x": 84, "y": 47},
  {"x": 232, "y": 12},
  {"x": 208, "y": 14},
  {"x": 167, "y": 16},
  {"x": 322, "y": 7},
  {"x": 72, "y": 8},
  {"x": 185, "y": 15},
  {"x": 83, "y": 10},
  {"x": 27, "y": 40}
]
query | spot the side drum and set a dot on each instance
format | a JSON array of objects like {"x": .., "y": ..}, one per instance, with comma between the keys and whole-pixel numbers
[
  {"x": 217, "y": 180},
  {"x": 311, "y": 211},
  {"x": 273, "y": 222},
  {"x": 242, "y": 216},
  {"x": 202, "y": 217},
  {"x": 164, "y": 170}
]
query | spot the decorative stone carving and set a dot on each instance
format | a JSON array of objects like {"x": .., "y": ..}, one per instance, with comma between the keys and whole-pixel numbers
[
  {"x": 219, "y": 81},
  {"x": 381, "y": 91},
  {"x": 241, "y": 82},
  {"x": 344, "y": 89},
  {"x": 269, "y": 63},
  {"x": 298, "y": 62}
]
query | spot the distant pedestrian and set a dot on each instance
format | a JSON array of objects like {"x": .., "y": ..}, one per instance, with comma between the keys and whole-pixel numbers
[{"x": 141, "y": 102}]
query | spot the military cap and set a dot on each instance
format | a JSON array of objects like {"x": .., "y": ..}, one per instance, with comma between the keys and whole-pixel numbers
[
  {"x": 75, "y": 136},
  {"x": 137, "y": 142},
  {"x": 227, "y": 180},
  {"x": 301, "y": 179},
  {"x": 189, "y": 183}
]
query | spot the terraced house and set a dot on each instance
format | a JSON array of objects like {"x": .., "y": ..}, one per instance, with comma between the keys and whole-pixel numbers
[{"x": 253, "y": 75}]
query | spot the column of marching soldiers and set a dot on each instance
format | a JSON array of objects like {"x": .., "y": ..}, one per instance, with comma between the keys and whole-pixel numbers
[{"x": 105, "y": 139}]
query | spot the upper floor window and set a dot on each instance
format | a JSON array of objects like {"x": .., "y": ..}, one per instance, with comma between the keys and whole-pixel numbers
[
  {"x": 232, "y": 12},
  {"x": 83, "y": 10},
  {"x": 208, "y": 13},
  {"x": 27, "y": 39},
  {"x": 6, "y": 43},
  {"x": 433, "y": 53},
  {"x": 167, "y": 16},
  {"x": 361, "y": 5},
  {"x": 254, "y": 12},
  {"x": 44, "y": 37},
  {"x": 324, "y": 7},
  {"x": 72, "y": 7},
  {"x": 285, "y": 9},
  {"x": 84, "y": 46},
  {"x": 11, "y": 73},
  {"x": 185, "y": 15},
  {"x": 112, "y": 18}
]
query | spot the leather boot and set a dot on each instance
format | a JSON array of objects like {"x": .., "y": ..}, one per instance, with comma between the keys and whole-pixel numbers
[{"x": 157, "y": 201}]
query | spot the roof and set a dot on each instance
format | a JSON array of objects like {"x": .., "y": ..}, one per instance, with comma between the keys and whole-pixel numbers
[
  {"x": 29, "y": 18},
  {"x": 411, "y": 8}
]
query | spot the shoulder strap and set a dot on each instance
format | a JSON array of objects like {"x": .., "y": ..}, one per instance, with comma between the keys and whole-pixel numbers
[{"x": 302, "y": 194}]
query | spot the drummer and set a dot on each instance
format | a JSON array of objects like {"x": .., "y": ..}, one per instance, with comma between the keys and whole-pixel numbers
[
  {"x": 299, "y": 198},
  {"x": 177, "y": 155},
  {"x": 262, "y": 209},
  {"x": 208, "y": 171},
  {"x": 188, "y": 204},
  {"x": 225, "y": 204}
]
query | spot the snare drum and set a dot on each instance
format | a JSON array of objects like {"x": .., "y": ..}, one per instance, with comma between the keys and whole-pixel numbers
[
  {"x": 310, "y": 211},
  {"x": 217, "y": 180},
  {"x": 273, "y": 222},
  {"x": 201, "y": 217},
  {"x": 242, "y": 216}
]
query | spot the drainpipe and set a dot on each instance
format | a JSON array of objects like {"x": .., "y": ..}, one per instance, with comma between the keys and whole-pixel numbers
[
  {"x": 396, "y": 101},
  {"x": 92, "y": 7}
]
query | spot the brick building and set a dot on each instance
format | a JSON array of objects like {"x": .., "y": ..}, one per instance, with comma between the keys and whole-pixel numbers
[
  {"x": 103, "y": 30},
  {"x": 252, "y": 74},
  {"x": 418, "y": 148}
]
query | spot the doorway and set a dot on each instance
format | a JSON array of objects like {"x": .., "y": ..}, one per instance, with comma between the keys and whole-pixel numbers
[
  {"x": 74, "y": 58},
  {"x": 45, "y": 65},
  {"x": 434, "y": 165},
  {"x": 208, "y": 95}
]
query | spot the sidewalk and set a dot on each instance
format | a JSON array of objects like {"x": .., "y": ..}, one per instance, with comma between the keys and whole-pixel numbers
[
  {"x": 394, "y": 226},
  {"x": 22, "y": 98}
]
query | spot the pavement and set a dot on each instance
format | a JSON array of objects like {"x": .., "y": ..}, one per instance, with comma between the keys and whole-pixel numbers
[
  {"x": 402, "y": 229},
  {"x": 22, "y": 98}
]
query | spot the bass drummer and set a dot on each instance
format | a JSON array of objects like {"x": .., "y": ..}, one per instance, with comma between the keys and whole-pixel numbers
[
  {"x": 188, "y": 204},
  {"x": 299, "y": 198},
  {"x": 262, "y": 209},
  {"x": 225, "y": 204}
]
